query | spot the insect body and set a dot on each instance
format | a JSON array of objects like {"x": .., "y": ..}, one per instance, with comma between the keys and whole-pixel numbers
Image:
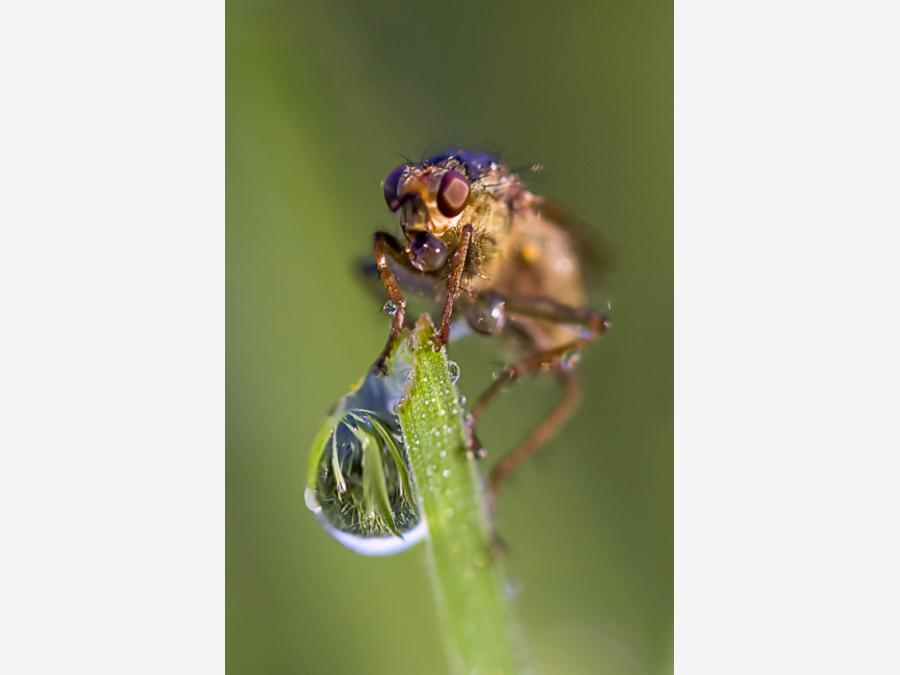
[{"x": 508, "y": 258}]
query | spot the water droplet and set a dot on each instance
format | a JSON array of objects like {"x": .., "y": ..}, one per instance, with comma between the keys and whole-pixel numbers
[
  {"x": 366, "y": 438},
  {"x": 488, "y": 314},
  {"x": 390, "y": 307},
  {"x": 453, "y": 367},
  {"x": 462, "y": 400},
  {"x": 442, "y": 453},
  {"x": 309, "y": 496},
  {"x": 446, "y": 473},
  {"x": 569, "y": 359}
]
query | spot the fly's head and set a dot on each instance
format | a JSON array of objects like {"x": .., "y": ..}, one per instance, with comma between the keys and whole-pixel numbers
[{"x": 435, "y": 198}]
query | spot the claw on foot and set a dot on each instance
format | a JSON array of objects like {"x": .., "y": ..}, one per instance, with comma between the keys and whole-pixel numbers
[
  {"x": 499, "y": 548},
  {"x": 474, "y": 448},
  {"x": 478, "y": 453},
  {"x": 381, "y": 363}
]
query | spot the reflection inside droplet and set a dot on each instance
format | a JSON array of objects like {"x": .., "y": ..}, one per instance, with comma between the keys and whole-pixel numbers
[{"x": 360, "y": 486}]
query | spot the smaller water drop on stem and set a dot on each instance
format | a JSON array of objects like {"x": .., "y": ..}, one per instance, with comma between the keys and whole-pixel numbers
[{"x": 453, "y": 368}]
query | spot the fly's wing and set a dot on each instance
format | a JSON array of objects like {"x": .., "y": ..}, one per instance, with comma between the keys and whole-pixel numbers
[{"x": 595, "y": 251}]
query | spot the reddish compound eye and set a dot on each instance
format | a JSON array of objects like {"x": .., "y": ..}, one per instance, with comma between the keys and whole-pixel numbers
[
  {"x": 453, "y": 194},
  {"x": 391, "y": 186}
]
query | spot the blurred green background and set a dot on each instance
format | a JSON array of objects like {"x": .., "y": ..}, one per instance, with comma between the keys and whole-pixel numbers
[{"x": 321, "y": 99}]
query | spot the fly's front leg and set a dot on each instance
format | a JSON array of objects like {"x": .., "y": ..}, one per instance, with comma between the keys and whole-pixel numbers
[
  {"x": 457, "y": 267},
  {"x": 387, "y": 244}
]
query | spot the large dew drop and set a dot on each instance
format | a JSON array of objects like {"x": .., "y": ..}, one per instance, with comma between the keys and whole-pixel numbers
[{"x": 360, "y": 485}]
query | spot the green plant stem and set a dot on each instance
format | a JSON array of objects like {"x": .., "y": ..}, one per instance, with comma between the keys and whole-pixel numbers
[{"x": 468, "y": 582}]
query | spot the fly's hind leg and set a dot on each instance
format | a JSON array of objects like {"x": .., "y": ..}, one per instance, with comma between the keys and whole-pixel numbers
[
  {"x": 594, "y": 325},
  {"x": 542, "y": 433}
]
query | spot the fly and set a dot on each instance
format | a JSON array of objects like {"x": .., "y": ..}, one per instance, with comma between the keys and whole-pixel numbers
[{"x": 507, "y": 260}]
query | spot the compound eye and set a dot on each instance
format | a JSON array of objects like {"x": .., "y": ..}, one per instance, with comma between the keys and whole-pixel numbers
[
  {"x": 392, "y": 186},
  {"x": 427, "y": 253},
  {"x": 453, "y": 194}
]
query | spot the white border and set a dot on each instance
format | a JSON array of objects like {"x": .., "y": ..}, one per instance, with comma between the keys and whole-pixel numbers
[
  {"x": 111, "y": 349},
  {"x": 111, "y": 346},
  {"x": 787, "y": 221}
]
